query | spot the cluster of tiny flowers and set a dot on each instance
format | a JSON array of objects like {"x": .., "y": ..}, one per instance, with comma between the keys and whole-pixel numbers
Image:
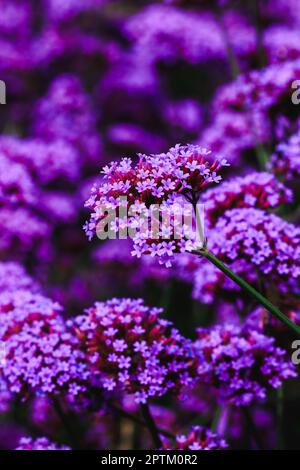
[
  {"x": 47, "y": 161},
  {"x": 165, "y": 236},
  {"x": 242, "y": 364},
  {"x": 65, "y": 11},
  {"x": 20, "y": 308},
  {"x": 286, "y": 161},
  {"x": 21, "y": 229},
  {"x": 131, "y": 348},
  {"x": 41, "y": 355},
  {"x": 281, "y": 43},
  {"x": 233, "y": 133},
  {"x": 184, "y": 169},
  {"x": 259, "y": 89},
  {"x": 165, "y": 33},
  {"x": 263, "y": 240},
  {"x": 13, "y": 277},
  {"x": 184, "y": 114},
  {"x": 199, "y": 438},
  {"x": 16, "y": 184},
  {"x": 183, "y": 172},
  {"x": 41, "y": 443},
  {"x": 256, "y": 190},
  {"x": 65, "y": 113}
]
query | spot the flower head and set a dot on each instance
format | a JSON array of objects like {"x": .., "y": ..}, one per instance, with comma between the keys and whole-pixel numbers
[
  {"x": 285, "y": 162},
  {"x": 256, "y": 190},
  {"x": 65, "y": 113},
  {"x": 263, "y": 240},
  {"x": 161, "y": 183},
  {"x": 199, "y": 438},
  {"x": 41, "y": 354},
  {"x": 13, "y": 277},
  {"x": 184, "y": 169},
  {"x": 41, "y": 443}
]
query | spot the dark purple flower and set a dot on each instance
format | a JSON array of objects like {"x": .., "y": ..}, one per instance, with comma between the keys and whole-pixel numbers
[
  {"x": 199, "y": 438},
  {"x": 240, "y": 363},
  {"x": 131, "y": 348},
  {"x": 255, "y": 190}
]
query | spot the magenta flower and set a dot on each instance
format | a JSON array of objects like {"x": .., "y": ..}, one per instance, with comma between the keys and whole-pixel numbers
[
  {"x": 65, "y": 113},
  {"x": 285, "y": 162},
  {"x": 182, "y": 170}
]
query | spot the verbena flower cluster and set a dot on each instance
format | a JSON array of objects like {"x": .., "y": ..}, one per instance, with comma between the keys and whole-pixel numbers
[
  {"x": 184, "y": 171},
  {"x": 41, "y": 443},
  {"x": 130, "y": 347},
  {"x": 41, "y": 355},
  {"x": 242, "y": 364},
  {"x": 261, "y": 89},
  {"x": 266, "y": 241},
  {"x": 285, "y": 162},
  {"x": 199, "y": 438},
  {"x": 65, "y": 114},
  {"x": 94, "y": 84},
  {"x": 46, "y": 161},
  {"x": 166, "y": 33},
  {"x": 256, "y": 190}
]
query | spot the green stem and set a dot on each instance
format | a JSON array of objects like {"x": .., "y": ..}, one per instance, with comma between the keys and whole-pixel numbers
[
  {"x": 251, "y": 291},
  {"x": 279, "y": 406}
]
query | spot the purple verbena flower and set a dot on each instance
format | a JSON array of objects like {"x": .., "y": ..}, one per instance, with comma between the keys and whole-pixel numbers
[
  {"x": 240, "y": 363},
  {"x": 255, "y": 190},
  {"x": 145, "y": 357},
  {"x": 41, "y": 355},
  {"x": 285, "y": 162},
  {"x": 199, "y": 438},
  {"x": 40, "y": 443},
  {"x": 264, "y": 241}
]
